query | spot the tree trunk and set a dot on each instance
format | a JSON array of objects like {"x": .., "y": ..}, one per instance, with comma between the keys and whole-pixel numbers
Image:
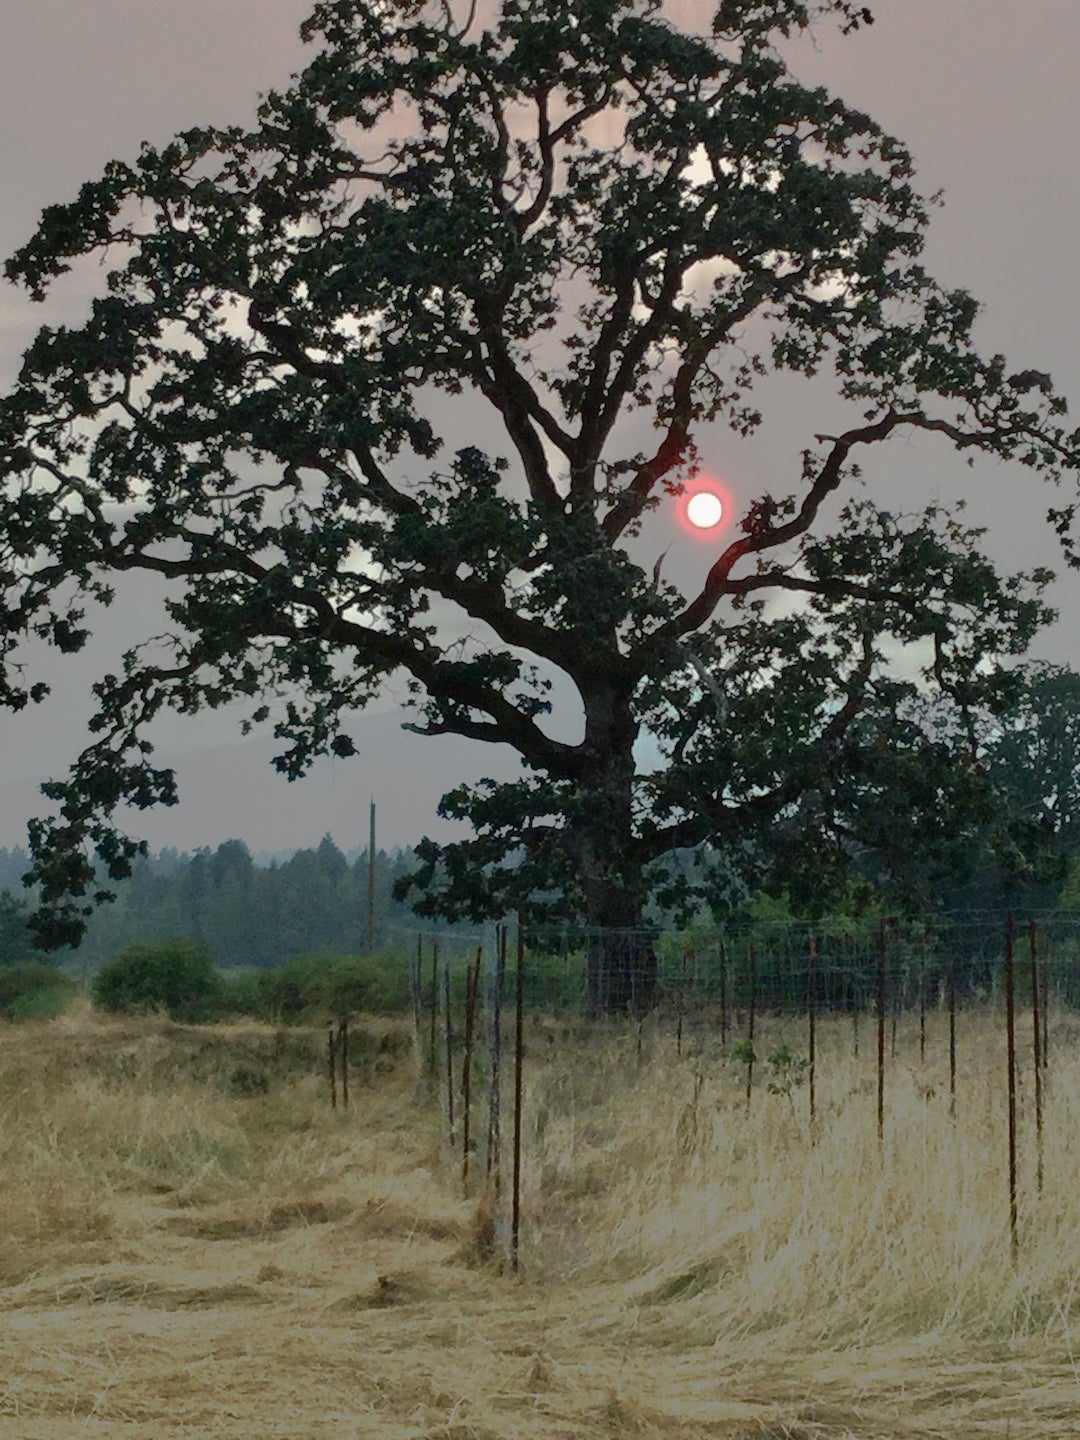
[
  {"x": 621, "y": 973},
  {"x": 621, "y": 958}
]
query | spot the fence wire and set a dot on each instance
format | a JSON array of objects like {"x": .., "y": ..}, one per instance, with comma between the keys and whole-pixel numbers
[
  {"x": 715, "y": 984},
  {"x": 836, "y": 965}
]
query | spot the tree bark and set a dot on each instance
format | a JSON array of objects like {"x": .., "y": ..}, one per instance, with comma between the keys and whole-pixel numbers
[
  {"x": 621, "y": 965},
  {"x": 621, "y": 973}
]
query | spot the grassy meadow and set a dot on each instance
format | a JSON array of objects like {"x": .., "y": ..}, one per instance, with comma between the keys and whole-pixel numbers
[{"x": 193, "y": 1243}]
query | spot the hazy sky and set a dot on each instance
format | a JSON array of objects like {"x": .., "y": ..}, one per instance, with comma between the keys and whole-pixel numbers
[{"x": 984, "y": 92}]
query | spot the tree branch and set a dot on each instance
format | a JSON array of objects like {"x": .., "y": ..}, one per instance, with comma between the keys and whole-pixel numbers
[
  {"x": 769, "y": 537},
  {"x": 524, "y": 218},
  {"x": 836, "y": 588},
  {"x": 443, "y": 679},
  {"x": 674, "y": 443},
  {"x": 712, "y": 814}
]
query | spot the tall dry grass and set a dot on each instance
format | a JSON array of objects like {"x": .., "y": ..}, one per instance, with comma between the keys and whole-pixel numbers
[
  {"x": 721, "y": 1219},
  {"x": 192, "y": 1242},
  {"x": 98, "y": 1112}
]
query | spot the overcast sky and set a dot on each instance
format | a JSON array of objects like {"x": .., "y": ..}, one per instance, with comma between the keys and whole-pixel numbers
[{"x": 984, "y": 92}]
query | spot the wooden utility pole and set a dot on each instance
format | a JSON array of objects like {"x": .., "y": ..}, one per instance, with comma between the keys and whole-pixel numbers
[{"x": 371, "y": 883}]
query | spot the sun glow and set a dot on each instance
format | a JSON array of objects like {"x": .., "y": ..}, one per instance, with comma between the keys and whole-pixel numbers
[
  {"x": 705, "y": 510},
  {"x": 703, "y": 507}
]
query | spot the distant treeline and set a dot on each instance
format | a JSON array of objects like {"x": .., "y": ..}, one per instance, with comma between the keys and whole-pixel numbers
[
  {"x": 247, "y": 913},
  {"x": 262, "y": 911}
]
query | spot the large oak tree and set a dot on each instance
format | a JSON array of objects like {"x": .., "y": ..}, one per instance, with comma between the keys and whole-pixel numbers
[{"x": 562, "y": 212}]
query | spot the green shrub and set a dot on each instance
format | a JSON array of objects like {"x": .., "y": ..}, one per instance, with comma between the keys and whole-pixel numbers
[
  {"x": 241, "y": 992},
  {"x": 314, "y": 984},
  {"x": 31, "y": 989},
  {"x": 289, "y": 991},
  {"x": 171, "y": 975},
  {"x": 346, "y": 986},
  {"x": 320, "y": 986}
]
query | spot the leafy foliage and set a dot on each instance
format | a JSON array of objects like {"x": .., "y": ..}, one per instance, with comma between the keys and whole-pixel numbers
[
  {"x": 171, "y": 975},
  {"x": 333, "y": 985},
  {"x": 787, "y": 1071},
  {"x": 578, "y": 218},
  {"x": 1033, "y": 756},
  {"x": 32, "y": 990},
  {"x": 321, "y": 986}
]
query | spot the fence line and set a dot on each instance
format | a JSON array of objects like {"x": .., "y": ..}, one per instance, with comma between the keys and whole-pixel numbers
[
  {"x": 718, "y": 986},
  {"x": 702, "y": 976}
]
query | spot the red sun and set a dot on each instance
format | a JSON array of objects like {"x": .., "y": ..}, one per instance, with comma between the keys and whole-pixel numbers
[{"x": 703, "y": 508}]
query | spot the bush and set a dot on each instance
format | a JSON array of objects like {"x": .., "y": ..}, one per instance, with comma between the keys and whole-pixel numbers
[
  {"x": 31, "y": 990},
  {"x": 320, "y": 986},
  {"x": 327, "y": 985},
  {"x": 391, "y": 986},
  {"x": 171, "y": 975},
  {"x": 293, "y": 990},
  {"x": 377, "y": 984},
  {"x": 240, "y": 992}
]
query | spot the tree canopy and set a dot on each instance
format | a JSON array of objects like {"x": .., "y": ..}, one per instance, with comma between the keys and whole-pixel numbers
[
  {"x": 559, "y": 212},
  {"x": 1031, "y": 756}
]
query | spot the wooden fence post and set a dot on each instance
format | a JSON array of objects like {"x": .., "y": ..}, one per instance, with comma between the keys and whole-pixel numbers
[
  {"x": 1033, "y": 945},
  {"x": 881, "y": 1034},
  {"x": 494, "y": 1145},
  {"x": 343, "y": 1047},
  {"x": 952, "y": 1036},
  {"x": 472, "y": 991},
  {"x": 750, "y": 1024},
  {"x": 1010, "y": 1034},
  {"x": 519, "y": 1052},
  {"x": 416, "y": 969},
  {"x": 433, "y": 1059},
  {"x": 811, "y": 998},
  {"x": 723, "y": 997},
  {"x": 449, "y": 1053}
]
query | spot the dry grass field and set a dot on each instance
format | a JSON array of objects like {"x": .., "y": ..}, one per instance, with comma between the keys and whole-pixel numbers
[{"x": 193, "y": 1244}]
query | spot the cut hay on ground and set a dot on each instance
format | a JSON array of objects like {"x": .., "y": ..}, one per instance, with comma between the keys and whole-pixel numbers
[{"x": 187, "y": 1251}]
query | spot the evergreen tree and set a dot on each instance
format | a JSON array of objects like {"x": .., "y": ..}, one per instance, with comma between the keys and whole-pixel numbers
[{"x": 16, "y": 940}]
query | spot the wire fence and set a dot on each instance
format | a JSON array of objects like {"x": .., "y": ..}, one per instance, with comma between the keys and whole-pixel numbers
[
  {"x": 786, "y": 967},
  {"x": 718, "y": 988}
]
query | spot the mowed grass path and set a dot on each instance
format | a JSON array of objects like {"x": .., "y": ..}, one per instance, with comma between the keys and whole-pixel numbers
[{"x": 193, "y": 1244}]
